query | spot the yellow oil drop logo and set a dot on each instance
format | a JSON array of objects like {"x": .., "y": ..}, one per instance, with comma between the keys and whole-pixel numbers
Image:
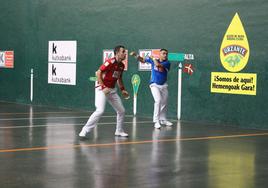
[{"x": 234, "y": 51}]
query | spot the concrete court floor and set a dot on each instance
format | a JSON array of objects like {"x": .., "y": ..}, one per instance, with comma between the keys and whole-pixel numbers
[{"x": 40, "y": 148}]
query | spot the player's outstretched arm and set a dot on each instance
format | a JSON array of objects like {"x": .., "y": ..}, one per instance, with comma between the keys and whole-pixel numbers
[
  {"x": 156, "y": 62},
  {"x": 139, "y": 58}
]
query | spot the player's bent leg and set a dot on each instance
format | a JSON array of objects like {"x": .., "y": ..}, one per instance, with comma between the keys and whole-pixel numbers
[
  {"x": 100, "y": 103},
  {"x": 92, "y": 122}
]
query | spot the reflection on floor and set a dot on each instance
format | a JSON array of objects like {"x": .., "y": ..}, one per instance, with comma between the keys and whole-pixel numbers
[{"x": 39, "y": 147}]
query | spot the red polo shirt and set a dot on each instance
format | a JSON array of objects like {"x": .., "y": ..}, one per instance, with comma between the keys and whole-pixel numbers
[{"x": 112, "y": 70}]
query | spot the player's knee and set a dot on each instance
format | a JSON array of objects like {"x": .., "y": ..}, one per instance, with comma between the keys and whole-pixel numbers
[
  {"x": 157, "y": 102},
  {"x": 99, "y": 111},
  {"x": 121, "y": 111}
]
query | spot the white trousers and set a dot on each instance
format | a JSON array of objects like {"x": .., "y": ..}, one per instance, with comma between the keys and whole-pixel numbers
[
  {"x": 160, "y": 95},
  {"x": 100, "y": 102}
]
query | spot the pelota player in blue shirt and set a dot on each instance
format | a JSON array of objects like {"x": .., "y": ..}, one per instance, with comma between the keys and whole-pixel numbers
[{"x": 158, "y": 85}]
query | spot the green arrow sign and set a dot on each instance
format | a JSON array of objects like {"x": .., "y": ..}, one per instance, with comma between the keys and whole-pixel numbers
[{"x": 92, "y": 78}]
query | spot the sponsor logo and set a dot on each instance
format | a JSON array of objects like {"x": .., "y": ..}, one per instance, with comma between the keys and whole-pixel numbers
[{"x": 234, "y": 49}]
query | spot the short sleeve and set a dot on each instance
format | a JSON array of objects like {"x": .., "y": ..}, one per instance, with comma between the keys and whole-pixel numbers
[{"x": 105, "y": 66}]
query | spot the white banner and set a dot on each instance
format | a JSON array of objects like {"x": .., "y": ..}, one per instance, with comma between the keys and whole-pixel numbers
[
  {"x": 62, "y": 51},
  {"x": 7, "y": 59},
  {"x": 62, "y": 73},
  {"x": 145, "y": 66},
  {"x": 62, "y": 62}
]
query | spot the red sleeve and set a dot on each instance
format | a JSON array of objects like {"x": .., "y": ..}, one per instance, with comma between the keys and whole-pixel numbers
[{"x": 105, "y": 66}]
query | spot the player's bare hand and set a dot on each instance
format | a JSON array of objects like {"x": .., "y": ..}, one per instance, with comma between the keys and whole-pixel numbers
[
  {"x": 125, "y": 94},
  {"x": 106, "y": 90},
  {"x": 154, "y": 59},
  {"x": 133, "y": 54},
  {"x": 151, "y": 57}
]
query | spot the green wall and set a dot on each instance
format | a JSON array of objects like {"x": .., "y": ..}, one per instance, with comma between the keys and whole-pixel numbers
[{"x": 187, "y": 26}]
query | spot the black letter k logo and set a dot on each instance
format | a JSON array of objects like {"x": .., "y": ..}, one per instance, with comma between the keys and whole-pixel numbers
[
  {"x": 54, "y": 70},
  {"x": 54, "y": 49}
]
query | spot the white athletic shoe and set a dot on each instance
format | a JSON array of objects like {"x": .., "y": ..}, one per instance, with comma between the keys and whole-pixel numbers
[
  {"x": 157, "y": 125},
  {"x": 166, "y": 122},
  {"x": 83, "y": 133},
  {"x": 120, "y": 133}
]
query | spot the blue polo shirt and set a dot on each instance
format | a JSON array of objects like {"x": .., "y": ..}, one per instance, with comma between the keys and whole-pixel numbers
[{"x": 158, "y": 77}]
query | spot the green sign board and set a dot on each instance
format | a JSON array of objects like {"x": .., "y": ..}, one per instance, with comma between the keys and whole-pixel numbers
[
  {"x": 135, "y": 80},
  {"x": 175, "y": 56}
]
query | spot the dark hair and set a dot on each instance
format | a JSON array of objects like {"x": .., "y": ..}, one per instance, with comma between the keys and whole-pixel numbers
[
  {"x": 117, "y": 48},
  {"x": 163, "y": 49}
]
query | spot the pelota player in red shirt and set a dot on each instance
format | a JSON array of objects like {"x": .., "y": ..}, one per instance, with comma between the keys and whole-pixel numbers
[{"x": 108, "y": 74}]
